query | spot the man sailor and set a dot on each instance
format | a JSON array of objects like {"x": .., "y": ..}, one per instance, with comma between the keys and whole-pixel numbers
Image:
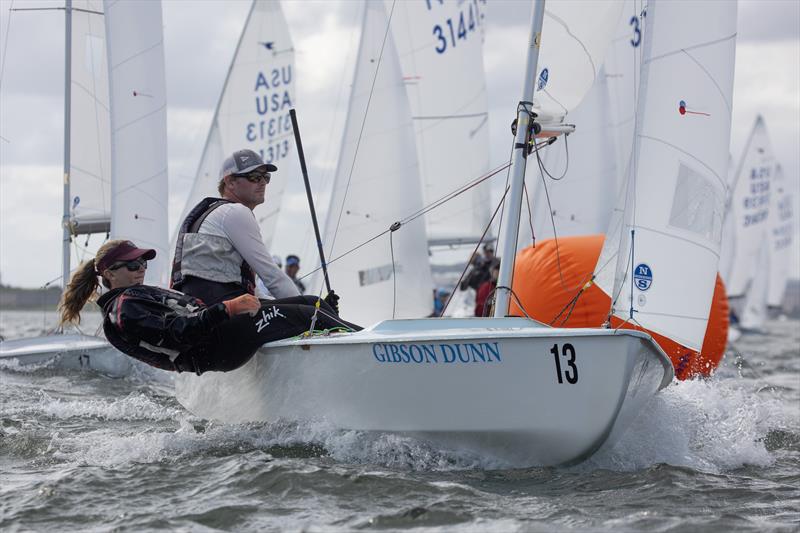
[{"x": 219, "y": 250}]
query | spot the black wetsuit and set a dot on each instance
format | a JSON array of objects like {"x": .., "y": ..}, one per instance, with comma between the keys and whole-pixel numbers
[{"x": 171, "y": 330}]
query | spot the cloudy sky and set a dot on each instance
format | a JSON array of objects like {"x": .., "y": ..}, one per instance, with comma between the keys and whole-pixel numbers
[{"x": 200, "y": 37}]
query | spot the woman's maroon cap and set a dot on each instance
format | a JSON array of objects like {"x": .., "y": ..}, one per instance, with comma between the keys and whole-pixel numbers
[{"x": 124, "y": 251}]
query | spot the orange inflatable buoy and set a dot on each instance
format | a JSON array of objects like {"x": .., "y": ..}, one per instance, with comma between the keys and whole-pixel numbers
[{"x": 548, "y": 279}]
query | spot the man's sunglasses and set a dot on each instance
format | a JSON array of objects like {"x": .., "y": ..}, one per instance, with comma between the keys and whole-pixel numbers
[
  {"x": 132, "y": 266},
  {"x": 256, "y": 176}
]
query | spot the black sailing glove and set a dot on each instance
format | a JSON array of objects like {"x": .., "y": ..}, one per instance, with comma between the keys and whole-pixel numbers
[{"x": 332, "y": 299}]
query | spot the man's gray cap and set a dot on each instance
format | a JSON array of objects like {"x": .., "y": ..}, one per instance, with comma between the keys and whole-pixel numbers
[{"x": 242, "y": 162}]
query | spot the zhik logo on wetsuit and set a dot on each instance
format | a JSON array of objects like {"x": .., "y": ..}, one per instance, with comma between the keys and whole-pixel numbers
[{"x": 266, "y": 316}]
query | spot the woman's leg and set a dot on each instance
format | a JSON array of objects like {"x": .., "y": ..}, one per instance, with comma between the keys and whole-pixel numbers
[
  {"x": 237, "y": 339},
  {"x": 326, "y": 315}
]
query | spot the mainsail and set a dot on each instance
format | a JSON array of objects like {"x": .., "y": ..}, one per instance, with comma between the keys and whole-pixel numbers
[
  {"x": 253, "y": 111},
  {"x": 578, "y": 189},
  {"x": 89, "y": 144},
  {"x": 440, "y": 46},
  {"x": 138, "y": 128},
  {"x": 576, "y": 38},
  {"x": 376, "y": 184},
  {"x": 672, "y": 228}
]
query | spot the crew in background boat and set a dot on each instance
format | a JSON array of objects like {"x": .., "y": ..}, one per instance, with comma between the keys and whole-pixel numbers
[
  {"x": 440, "y": 297},
  {"x": 173, "y": 331},
  {"x": 480, "y": 270},
  {"x": 483, "y": 302},
  {"x": 219, "y": 250},
  {"x": 292, "y": 268}
]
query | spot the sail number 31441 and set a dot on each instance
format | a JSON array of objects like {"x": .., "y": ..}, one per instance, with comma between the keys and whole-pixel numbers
[{"x": 570, "y": 370}]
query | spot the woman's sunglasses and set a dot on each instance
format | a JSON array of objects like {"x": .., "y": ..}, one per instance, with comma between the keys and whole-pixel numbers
[
  {"x": 132, "y": 266},
  {"x": 256, "y": 176}
]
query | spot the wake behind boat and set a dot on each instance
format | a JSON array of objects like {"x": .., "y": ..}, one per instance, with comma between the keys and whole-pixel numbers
[{"x": 510, "y": 388}]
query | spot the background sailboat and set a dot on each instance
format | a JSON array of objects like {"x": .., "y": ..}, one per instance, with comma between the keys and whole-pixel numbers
[
  {"x": 377, "y": 183},
  {"x": 746, "y": 263},
  {"x": 782, "y": 225},
  {"x": 138, "y": 97},
  {"x": 253, "y": 112},
  {"x": 120, "y": 155},
  {"x": 446, "y": 86}
]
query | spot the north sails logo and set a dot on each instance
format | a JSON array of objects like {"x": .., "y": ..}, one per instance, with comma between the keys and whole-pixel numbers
[{"x": 266, "y": 316}]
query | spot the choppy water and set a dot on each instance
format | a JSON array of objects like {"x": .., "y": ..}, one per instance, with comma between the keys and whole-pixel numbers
[{"x": 80, "y": 451}]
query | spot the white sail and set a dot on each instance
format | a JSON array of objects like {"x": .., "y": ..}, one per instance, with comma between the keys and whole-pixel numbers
[
  {"x": 753, "y": 312},
  {"x": 728, "y": 226},
  {"x": 749, "y": 209},
  {"x": 575, "y": 38},
  {"x": 781, "y": 237},
  {"x": 90, "y": 148},
  {"x": 376, "y": 184},
  {"x": 667, "y": 266},
  {"x": 138, "y": 128},
  {"x": 440, "y": 45},
  {"x": 253, "y": 111},
  {"x": 622, "y": 66},
  {"x": 581, "y": 193}
]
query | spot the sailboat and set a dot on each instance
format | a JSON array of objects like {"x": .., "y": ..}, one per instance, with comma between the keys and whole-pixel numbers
[
  {"x": 781, "y": 238},
  {"x": 746, "y": 257},
  {"x": 115, "y": 158},
  {"x": 506, "y": 386}
]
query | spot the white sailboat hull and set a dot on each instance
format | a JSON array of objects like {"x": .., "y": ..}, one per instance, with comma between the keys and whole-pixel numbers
[
  {"x": 69, "y": 352},
  {"x": 490, "y": 386}
]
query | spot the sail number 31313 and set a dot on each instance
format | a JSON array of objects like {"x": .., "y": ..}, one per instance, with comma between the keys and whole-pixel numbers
[{"x": 570, "y": 371}]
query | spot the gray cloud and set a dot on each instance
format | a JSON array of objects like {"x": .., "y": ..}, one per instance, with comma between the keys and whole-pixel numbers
[{"x": 769, "y": 20}]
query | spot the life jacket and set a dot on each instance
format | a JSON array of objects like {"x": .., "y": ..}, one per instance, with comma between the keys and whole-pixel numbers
[
  {"x": 161, "y": 327},
  {"x": 207, "y": 256}
]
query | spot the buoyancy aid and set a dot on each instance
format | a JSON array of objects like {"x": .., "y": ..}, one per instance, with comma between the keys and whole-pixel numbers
[
  {"x": 207, "y": 256},
  {"x": 161, "y": 327}
]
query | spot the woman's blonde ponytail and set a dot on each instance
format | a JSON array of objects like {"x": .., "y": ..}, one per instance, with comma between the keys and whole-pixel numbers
[{"x": 82, "y": 286}]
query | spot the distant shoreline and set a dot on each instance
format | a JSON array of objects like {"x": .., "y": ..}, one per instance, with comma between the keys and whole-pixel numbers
[{"x": 19, "y": 299}]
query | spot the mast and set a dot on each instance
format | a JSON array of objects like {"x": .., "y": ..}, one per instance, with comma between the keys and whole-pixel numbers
[
  {"x": 67, "y": 99},
  {"x": 514, "y": 201}
]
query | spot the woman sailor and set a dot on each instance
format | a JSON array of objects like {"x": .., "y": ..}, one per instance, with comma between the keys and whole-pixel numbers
[{"x": 173, "y": 331}]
